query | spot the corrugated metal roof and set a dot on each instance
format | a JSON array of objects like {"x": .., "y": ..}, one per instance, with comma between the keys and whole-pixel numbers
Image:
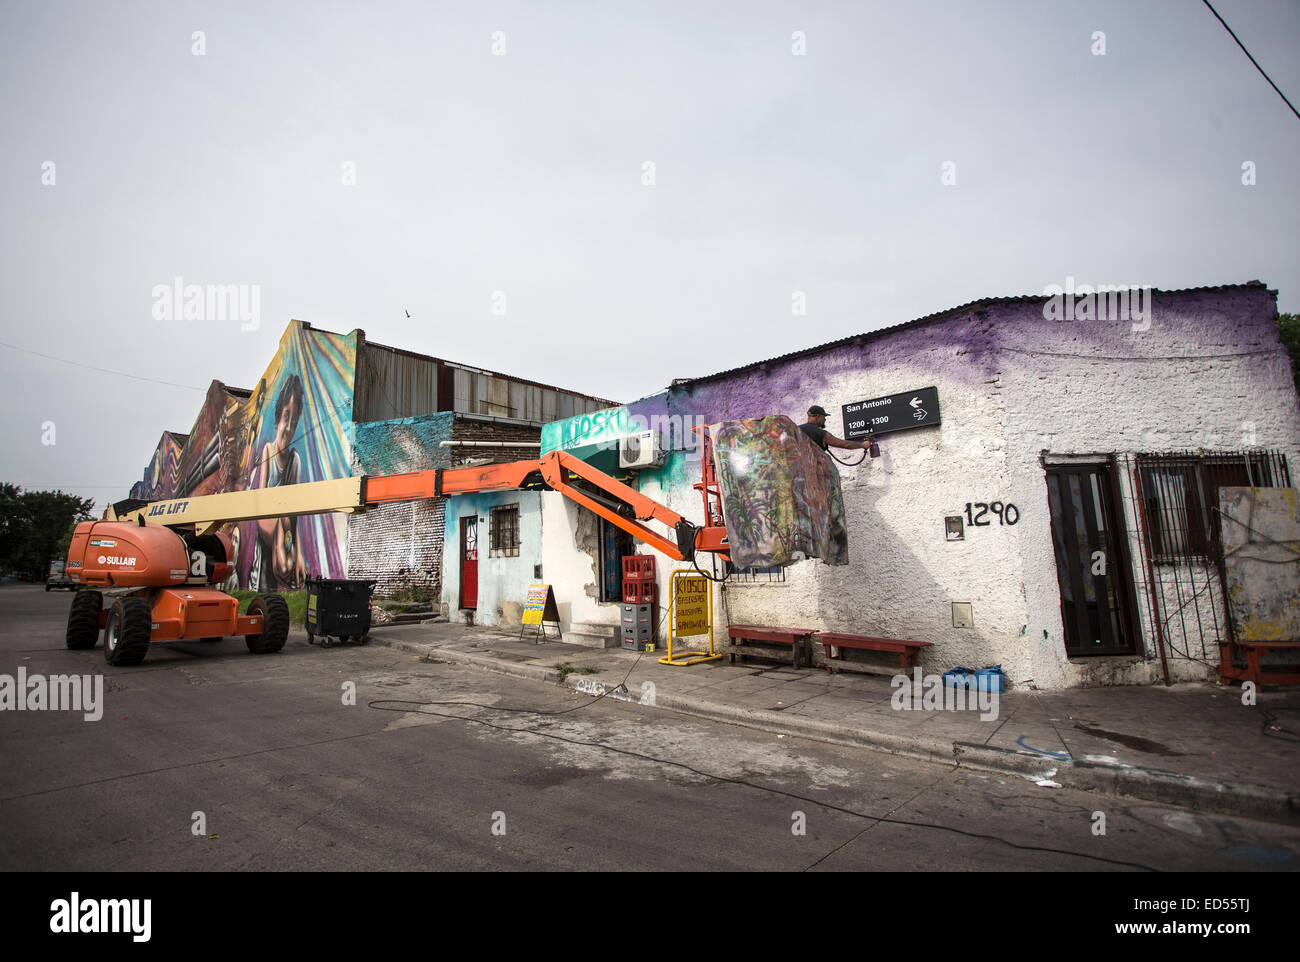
[
  {"x": 929, "y": 319},
  {"x": 483, "y": 370}
]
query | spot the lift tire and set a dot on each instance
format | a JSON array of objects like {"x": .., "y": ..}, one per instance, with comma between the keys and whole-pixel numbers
[
  {"x": 126, "y": 635},
  {"x": 275, "y": 624},
  {"x": 83, "y": 619}
]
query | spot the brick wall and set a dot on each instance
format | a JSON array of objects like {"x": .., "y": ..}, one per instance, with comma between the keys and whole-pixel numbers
[
  {"x": 466, "y": 429},
  {"x": 400, "y": 545}
]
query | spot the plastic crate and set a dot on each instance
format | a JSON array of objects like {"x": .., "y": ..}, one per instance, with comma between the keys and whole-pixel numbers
[
  {"x": 639, "y": 592},
  {"x": 638, "y": 567},
  {"x": 641, "y": 616}
]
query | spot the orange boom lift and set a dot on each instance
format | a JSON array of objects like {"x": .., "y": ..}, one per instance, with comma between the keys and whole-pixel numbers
[{"x": 168, "y": 555}]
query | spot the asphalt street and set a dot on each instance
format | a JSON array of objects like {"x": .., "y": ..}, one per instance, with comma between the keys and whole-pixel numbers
[{"x": 208, "y": 757}]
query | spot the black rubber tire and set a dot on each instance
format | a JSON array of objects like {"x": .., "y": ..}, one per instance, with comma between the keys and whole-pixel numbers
[
  {"x": 126, "y": 635},
  {"x": 275, "y": 624},
  {"x": 83, "y": 620}
]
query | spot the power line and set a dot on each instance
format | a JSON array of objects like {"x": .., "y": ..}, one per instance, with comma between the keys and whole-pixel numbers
[
  {"x": 1252, "y": 59},
  {"x": 105, "y": 370}
]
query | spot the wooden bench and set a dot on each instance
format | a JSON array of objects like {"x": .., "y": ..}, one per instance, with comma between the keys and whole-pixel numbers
[
  {"x": 799, "y": 640},
  {"x": 907, "y": 650},
  {"x": 1254, "y": 671}
]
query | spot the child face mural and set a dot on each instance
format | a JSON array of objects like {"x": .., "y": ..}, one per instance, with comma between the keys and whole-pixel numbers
[
  {"x": 278, "y": 559},
  {"x": 285, "y": 426}
]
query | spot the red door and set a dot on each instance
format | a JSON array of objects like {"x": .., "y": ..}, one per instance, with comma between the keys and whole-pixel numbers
[{"x": 469, "y": 562}]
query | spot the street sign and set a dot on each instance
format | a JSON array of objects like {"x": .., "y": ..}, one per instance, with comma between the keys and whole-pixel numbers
[
  {"x": 691, "y": 605},
  {"x": 897, "y": 412}
]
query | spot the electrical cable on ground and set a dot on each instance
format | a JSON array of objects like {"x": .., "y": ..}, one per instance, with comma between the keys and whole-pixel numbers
[{"x": 821, "y": 803}]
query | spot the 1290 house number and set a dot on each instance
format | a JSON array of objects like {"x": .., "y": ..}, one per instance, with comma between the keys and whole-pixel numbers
[{"x": 1007, "y": 513}]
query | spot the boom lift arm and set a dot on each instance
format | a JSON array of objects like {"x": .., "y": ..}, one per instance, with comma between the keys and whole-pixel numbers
[
  {"x": 558, "y": 471},
  {"x": 170, "y": 555}
]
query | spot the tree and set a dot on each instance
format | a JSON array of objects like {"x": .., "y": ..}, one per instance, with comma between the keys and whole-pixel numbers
[
  {"x": 33, "y": 525},
  {"x": 1288, "y": 326}
]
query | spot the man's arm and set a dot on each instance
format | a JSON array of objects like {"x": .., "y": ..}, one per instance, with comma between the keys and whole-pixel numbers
[{"x": 835, "y": 442}]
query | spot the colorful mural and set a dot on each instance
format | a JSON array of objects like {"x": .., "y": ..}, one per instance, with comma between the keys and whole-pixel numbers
[
  {"x": 160, "y": 476},
  {"x": 295, "y": 426}
]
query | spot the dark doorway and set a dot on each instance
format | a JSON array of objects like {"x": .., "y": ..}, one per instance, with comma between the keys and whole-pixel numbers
[
  {"x": 1092, "y": 563},
  {"x": 615, "y": 544}
]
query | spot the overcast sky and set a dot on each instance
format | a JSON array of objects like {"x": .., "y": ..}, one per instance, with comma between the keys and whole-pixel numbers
[{"x": 501, "y": 147}]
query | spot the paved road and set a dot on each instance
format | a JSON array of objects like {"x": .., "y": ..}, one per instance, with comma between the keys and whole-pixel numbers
[{"x": 287, "y": 776}]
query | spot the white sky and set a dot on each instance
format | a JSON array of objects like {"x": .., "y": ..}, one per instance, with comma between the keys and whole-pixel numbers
[{"x": 522, "y": 174}]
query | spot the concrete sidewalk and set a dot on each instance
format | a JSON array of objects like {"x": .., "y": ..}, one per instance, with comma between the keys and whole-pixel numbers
[{"x": 1192, "y": 745}]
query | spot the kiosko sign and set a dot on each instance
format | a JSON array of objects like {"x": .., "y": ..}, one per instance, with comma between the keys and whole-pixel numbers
[{"x": 897, "y": 412}]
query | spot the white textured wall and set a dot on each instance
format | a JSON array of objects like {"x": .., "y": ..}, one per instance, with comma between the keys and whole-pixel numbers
[{"x": 1011, "y": 384}]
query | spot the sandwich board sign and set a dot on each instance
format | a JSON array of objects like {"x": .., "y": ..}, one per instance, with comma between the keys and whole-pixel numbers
[{"x": 540, "y": 610}]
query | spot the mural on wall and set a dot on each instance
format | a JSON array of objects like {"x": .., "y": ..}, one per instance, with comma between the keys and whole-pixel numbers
[
  {"x": 197, "y": 473},
  {"x": 295, "y": 426},
  {"x": 160, "y": 477}
]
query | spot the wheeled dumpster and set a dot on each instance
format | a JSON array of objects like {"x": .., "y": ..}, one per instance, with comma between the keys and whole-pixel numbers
[{"x": 338, "y": 609}]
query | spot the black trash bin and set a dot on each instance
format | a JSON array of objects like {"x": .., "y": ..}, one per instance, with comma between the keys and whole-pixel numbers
[{"x": 338, "y": 608}]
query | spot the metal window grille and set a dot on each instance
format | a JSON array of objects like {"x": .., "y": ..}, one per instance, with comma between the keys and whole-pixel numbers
[
  {"x": 755, "y": 575},
  {"x": 1181, "y": 497},
  {"x": 1171, "y": 500},
  {"x": 505, "y": 530}
]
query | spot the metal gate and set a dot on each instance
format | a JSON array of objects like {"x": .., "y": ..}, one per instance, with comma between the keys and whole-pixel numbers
[{"x": 1174, "y": 497}]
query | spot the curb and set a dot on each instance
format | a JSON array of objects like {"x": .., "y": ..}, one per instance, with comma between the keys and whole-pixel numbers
[{"x": 1126, "y": 781}]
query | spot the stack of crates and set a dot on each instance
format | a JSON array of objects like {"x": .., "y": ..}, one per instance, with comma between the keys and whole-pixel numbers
[
  {"x": 639, "y": 579},
  {"x": 638, "y": 621},
  {"x": 638, "y": 627}
]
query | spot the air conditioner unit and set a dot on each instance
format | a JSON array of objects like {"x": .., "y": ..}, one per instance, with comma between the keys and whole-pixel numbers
[{"x": 640, "y": 450}]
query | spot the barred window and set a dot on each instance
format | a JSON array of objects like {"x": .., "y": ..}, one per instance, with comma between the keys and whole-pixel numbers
[
  {"x": 504, "y": 531},
  {"x": 1181, "y": 495},
  {"x": 752, "y": 575}
]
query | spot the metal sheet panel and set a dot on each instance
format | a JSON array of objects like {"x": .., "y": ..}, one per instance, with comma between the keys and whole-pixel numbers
[
  {"x": 399, "y": 385},
  {"x": 1261, "y": 556}
]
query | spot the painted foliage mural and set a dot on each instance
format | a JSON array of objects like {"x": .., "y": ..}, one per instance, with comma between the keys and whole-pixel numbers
[
  {"x": 294, "y": 426},
  {"x": 781, "y": 495}
]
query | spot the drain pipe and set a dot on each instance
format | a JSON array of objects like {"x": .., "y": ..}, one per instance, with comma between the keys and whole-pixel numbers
[{"x": 489, "y": 444}]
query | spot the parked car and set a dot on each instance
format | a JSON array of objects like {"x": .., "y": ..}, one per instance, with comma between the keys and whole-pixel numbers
[{"x": 58, "y": 578}]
